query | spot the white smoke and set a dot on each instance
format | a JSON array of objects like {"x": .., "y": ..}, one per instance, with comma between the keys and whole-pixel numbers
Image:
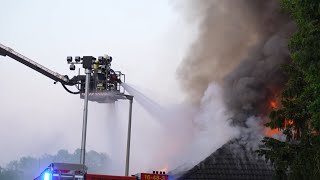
[
  {"x": 186, "y": 134},
  {"x": 252, "y": 134},
  {"x": 211, "y": 128}
]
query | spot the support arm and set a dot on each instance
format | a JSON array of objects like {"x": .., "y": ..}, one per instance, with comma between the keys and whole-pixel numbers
[{"x": 6, "y": 51}]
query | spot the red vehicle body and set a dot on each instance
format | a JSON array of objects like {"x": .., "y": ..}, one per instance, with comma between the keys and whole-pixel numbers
[
  {"x": 147, "y": 176},
  {"x": 66, "y": 171},
  {"x": 108, "y": 177}
]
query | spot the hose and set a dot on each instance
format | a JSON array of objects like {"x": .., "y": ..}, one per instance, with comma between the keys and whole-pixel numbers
[{"x": 69, "y": 91}]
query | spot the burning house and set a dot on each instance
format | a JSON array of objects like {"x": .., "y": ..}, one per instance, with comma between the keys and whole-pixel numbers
[{"x": 242, "y": 45}]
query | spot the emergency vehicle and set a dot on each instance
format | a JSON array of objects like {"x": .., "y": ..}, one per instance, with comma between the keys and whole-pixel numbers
[{"x": 66, "y": 171}]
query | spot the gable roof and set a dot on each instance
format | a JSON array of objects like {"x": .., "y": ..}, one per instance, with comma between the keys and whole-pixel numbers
[{"x": 231, "y": 161}]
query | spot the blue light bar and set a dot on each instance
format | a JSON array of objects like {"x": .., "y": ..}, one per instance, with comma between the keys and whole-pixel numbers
[{"x": 46, "y": 176}]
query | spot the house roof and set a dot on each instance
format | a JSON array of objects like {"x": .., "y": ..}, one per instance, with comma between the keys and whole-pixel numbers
[{"x": 231, "y": 161}]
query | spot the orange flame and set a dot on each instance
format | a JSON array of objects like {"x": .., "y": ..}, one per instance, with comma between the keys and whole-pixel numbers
[
  {"x": 288, "y": 122},
  {"x": 274, "y": 103},
  {"x": 271, "y": 132}
]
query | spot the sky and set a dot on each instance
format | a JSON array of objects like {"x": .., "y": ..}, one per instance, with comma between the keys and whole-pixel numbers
[{"x": 147, "y": 40}]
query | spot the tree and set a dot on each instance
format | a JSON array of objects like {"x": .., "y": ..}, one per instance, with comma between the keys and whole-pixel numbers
[
  {"x": 299, "y": 117},
  {"x": 10, "y": 174}
]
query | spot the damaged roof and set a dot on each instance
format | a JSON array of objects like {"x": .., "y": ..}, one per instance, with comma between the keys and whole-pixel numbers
[{"x": 231, "y": 161}]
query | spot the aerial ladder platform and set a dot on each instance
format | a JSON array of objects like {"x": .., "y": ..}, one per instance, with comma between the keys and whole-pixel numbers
[{"x": 104, "y": 81}]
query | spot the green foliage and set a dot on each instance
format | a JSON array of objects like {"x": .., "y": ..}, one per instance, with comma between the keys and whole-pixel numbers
[
  {"x": 10, "y": 174},
  {"x": 299, "y": 156},
  {"x": 305, "y": 49}
]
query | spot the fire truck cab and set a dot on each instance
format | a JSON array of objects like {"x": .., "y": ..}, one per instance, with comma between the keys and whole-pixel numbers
[
  {"x": 63, "y": 171},
  {"x": 66, "y": 171}
]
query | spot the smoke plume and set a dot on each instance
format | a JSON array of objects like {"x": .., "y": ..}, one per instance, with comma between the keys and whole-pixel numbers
[
  {"x": 230, "y": 73},
  {"x": 241, "y": 45},
  {"x": 244, "y": 37}
]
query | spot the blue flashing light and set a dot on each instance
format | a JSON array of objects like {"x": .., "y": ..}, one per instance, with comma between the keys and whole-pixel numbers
[{"x": 46, "y": 176}]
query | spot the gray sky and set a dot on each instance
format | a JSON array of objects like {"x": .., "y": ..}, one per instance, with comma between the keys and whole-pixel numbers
[{"x": 147, "y": 40}]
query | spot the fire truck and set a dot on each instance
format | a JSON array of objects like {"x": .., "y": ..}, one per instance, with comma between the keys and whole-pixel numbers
[{"x": 65, "y": 171}]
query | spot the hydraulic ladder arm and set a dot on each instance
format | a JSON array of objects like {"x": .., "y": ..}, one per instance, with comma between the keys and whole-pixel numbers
[
  {"x": 64, "y": 80},
  {"x": 104, "y": 82}
]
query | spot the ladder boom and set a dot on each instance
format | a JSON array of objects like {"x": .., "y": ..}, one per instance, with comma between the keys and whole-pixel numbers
[{"x": 6, "y": 51}]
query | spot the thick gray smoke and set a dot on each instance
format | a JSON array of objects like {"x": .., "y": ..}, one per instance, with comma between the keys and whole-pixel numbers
[
  {"x": 226, "y": 31},
  {"x": 259, "y": 77},
  {"x": 242, "y": 45}
]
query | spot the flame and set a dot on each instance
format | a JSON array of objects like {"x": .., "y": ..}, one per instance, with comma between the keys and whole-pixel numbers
[
  {"x": 271, "y": 132},
  {"x": 274, "y": 104},
  {"x": 288, "y": 122}
]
